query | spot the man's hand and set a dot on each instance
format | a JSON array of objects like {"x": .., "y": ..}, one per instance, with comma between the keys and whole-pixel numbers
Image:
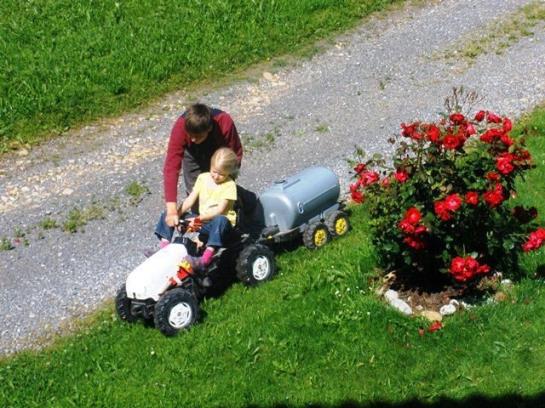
[{"x": 172, "y": 219}]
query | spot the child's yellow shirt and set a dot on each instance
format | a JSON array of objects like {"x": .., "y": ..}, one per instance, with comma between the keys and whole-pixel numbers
[{"x": 210, "y": 195}]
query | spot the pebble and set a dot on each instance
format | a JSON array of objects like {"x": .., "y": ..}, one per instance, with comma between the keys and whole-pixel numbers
[
  {"x": 447, "y": 310},
  {"x": 401, "y": 306},
  {"x": 391, "y": 295},
  {"x": 431, "y": 315}
]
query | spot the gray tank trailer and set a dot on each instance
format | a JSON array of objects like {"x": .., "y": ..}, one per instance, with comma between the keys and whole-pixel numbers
[{"x": 306, "y": 204}]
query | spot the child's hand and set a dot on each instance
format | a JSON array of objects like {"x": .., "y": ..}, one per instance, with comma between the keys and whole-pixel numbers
[{"x": 195, "y": 223}]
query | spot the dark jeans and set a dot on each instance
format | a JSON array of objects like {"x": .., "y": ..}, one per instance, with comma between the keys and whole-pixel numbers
[{"x": 213, "y": 233}]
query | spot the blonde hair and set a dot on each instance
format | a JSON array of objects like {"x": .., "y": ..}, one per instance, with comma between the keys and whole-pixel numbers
[{"x": 225, "y": 159}]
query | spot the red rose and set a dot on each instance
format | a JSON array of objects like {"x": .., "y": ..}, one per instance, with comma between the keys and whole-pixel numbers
[
  {"x": 480, "y": 116},
  {"x": 472, "y": 198},
  {"x": 413, "y": 215},
  {"x": 441, "y": 210},
  {"x": 504, "y": 163},
  {"x": 401, "y": 175},
  {"x": 414, "y": 243},
  {"x": 535, "y": 240},
  {"x": 357, "y": 196},
  {"x": 464, "y": 269},
  {"x": 471, "y": 263},
  {"x": 540, "y": 233},
  {"x": 457, "y": 264},
  {"x": 507, "y": 125},
  {"x": 490, "y": 135},
  {"x": 457, "y": 118},
  {"x": 433, "y": 133},
  {"x": 410, "y": 130},
  {"x": 406, "y": 226},
  {"x": 470, "y": 129},
  {"x": 385, "y": 182},
  {"x": 360, "y": 167},
  {"x": 506, "y": 140},
  {"x": 451, "y": 142},
  {"x": 420, "y": 229},
  {"x": 483, "y": 269},
  {"x": 494, "y": 197},
  {"x": 354, "y": 187},
  {"x": 492, "y": 117},
  {"x": 368, "y": 177},
  {"x": 492, "y": 176},
  {"x": 453, "y": 202}
]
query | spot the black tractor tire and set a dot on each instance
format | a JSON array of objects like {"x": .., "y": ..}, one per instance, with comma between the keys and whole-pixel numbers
[
  {"x": 338, "y": 223},
  {"x": 176, "y": 310},
  {"x": 123, "y": 306},
  {"x": 255, "y": 264},
  {"x": 316, "y": 235}
]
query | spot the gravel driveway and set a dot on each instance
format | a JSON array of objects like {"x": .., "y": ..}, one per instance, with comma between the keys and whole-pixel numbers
[{"x": 356, "y": 92}]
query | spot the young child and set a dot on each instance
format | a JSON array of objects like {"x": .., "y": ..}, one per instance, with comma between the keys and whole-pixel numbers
[{"x": 216, "y": 192}]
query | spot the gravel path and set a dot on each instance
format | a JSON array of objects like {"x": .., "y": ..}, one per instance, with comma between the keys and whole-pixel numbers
[{"x": 358, "y": 91}]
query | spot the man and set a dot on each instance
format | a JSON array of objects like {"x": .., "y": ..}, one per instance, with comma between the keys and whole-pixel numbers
[{"x": 196, "y": 135}]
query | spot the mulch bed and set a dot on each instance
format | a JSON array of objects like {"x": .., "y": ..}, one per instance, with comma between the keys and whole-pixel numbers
[{"x": 431, "y": 294}]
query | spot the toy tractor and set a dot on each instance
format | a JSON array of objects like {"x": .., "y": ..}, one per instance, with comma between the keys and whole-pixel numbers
[{"x": 165, "y": 292}]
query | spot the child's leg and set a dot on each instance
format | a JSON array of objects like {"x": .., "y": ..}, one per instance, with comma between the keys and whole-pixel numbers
[
  {"x": 208, "y": 255},
  {"x": 216, "y": 230}
]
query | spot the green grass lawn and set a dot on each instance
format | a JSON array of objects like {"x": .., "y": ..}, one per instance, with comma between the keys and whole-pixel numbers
[
  {"x": 317, "y": 334},
  {"x": 67, "y": 62}
]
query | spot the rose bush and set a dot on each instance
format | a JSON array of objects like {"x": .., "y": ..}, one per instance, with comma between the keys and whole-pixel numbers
[{"x": 442, "y": 205}]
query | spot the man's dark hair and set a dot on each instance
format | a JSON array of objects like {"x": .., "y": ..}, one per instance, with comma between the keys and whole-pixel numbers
[{"x": 198, "y": 119}]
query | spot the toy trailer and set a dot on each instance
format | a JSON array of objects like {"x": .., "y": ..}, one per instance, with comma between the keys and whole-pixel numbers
[{"x": 306, "y": 204}]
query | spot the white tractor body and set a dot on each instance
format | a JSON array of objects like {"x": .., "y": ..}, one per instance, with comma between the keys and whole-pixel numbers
[{"x": 151, "y": 278}]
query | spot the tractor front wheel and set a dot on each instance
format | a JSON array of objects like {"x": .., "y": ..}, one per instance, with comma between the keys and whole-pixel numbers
[
  {"x": 123, "y": 306},
  {"x": 176, "y": 310}
]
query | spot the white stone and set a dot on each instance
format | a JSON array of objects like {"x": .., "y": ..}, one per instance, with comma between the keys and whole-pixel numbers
[
  {"x": 507, "y": 282},
  {"x": 454, "y": 302},
  {"x": 67, "y": 191},
  {"x": 402, "y": 306},
  {"x": 390, "y": 295},
  {"x": 447, "y": 310},
  {"x": 432, "y": 315}
]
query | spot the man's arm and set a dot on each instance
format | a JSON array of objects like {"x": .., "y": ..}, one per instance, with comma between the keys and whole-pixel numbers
[
  {"x": 230, "y": 134},
  {"x": 173, "y": 164}
]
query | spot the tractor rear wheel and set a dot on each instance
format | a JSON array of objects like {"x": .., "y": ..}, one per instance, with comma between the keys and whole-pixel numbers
[
  {"x": 255, "y": 264},
  {"x": 338, "y": 223},
  {"x": 316, "y": 235}
]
